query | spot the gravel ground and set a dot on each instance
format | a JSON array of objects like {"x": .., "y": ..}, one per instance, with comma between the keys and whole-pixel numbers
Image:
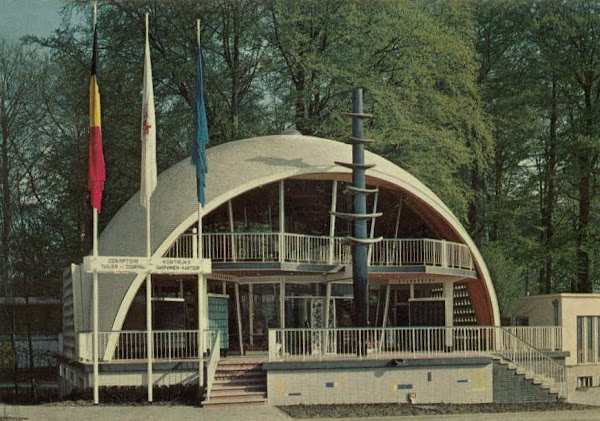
[{"x": 390, "y": 410}]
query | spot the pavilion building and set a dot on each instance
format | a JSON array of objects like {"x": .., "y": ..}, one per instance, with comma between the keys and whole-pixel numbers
[{"x": 277, "y": 302}]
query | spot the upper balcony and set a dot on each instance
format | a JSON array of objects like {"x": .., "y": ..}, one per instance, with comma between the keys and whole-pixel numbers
[{"x": 286, "y": 251}]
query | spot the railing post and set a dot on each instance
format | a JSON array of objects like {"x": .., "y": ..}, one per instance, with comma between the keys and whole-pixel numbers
[
  {"x": 170, "y": 345},
  {"x": 444, "y": 246},
  {"x": 272, "y": 344},
  {"x": 194, "y": 243}
]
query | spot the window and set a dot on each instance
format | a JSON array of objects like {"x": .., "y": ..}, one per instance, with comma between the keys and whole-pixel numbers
[
  {"x": 583, "y": 382},
  {"x": 588, "y": 344}
]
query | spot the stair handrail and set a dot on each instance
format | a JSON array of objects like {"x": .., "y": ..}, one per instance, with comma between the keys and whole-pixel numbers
[
  {"x": 532, "y": 360},
  {"x": 213, "y": 361}
]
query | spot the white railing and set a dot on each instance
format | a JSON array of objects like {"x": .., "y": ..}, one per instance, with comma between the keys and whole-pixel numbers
[
  {"x": 533, "y": 363},
  {"x": 132, "y": 345},
  {"x": 232, "y": 247},
  {"x": 213, "y": 361},
  {"x": 547, "y": 338},
  {"x": 407, "y": 252},
  {"x": 401, "y": 343},
  {"x": 299, "y": 248}
]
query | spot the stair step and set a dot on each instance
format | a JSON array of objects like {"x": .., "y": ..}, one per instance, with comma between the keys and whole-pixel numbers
[
  {"x": 217, "y": 404},
  {"x": 236, "y": 398},
  {"x": 238, "y": 386},
  {"x": 226, "y": 373},
  {"x": 243, "y": 367},
  {"x": 241, "y": 377},
  {"x": 235, "y": 393}
]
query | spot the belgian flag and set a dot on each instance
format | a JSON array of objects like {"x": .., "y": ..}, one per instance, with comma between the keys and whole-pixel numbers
[{"x": 96, "y": 168}]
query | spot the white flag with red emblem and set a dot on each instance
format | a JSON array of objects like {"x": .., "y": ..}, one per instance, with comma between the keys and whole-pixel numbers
[{"x": 148, "y": 182}]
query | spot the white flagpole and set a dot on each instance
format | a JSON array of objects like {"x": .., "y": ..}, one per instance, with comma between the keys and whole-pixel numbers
[
  {"x": 95, "y": 311},
  {"x": 95, "y": 282},
  {"x": 149, "y": 333},
  {"x": 201, "y": 288}
]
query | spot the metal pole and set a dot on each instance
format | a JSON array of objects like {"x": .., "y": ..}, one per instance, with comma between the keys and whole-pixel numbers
[
  {"x": 95, "y": 310},
  {"x": 239, "y": 317},
  {"x": 149, "y": 338},
  {"x": 201, "y": 332},
  {"x": 359, "y": 225}
]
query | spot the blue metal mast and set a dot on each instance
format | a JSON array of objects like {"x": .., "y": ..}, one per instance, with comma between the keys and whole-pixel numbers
[{"x": 359, "y": 240}]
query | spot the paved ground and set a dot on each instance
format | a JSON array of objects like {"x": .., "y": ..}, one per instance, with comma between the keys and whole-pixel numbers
[{"x": 256, "y": 413}]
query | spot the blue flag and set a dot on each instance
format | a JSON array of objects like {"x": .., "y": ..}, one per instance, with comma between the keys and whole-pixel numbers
[{"x": 201, "y": 132}]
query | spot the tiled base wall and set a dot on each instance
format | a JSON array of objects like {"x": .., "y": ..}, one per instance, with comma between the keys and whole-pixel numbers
[{"x": 456, "y": 384}]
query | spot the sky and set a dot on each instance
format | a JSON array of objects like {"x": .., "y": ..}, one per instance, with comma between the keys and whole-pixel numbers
[{"x": 22, "y": 17}]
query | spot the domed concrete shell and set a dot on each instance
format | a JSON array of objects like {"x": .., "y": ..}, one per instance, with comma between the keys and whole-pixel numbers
[{"x": 234, "y": 168}]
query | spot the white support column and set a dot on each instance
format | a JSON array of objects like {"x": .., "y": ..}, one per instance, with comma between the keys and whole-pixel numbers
[
  {"x": 448, "y": 293},
  {"x": 282, "y": 302},
  {"x": 231, "y": 230},
  {"x": 251, "y": 313},
  {"x": 327, "y": 304},
  {"x": 386, "y": 308},
  {"x": 334, "y": 189},
  {"x": 396, "y": 256},
  {"x": 281, "y": 221},
  {"x": 239, "y": 317},
  {"x": 327, "y": 313},
  {"x": 372, "y": 233}
]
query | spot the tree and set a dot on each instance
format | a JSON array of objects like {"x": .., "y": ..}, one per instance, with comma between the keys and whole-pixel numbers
[{"x": 20, "y": 72}]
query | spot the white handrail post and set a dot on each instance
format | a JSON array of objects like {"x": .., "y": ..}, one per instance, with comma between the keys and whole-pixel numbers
[
  {"x": 444, "y": 246},
  {"x": 282, "y": 245},
  {"x": 332, "y": 221},
  {"x": 194, "y": 244}
]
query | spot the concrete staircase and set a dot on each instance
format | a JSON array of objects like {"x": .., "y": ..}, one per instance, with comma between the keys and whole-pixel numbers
[
  {"x": 237, "y": 383},
  {"x": 514, "y": 385}
]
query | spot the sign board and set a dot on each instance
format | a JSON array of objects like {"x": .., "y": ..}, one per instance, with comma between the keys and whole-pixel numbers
[
  {"x": 136, "y": 264},
  {"x": 174, "y": 265},
  {"x": 115, "y": 264}
]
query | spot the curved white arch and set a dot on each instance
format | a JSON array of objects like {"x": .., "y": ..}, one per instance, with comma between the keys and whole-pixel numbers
[{"x": 256, "y": 161}]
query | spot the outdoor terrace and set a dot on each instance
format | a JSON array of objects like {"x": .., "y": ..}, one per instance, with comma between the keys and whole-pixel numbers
[{"x": 229, "y": 248}]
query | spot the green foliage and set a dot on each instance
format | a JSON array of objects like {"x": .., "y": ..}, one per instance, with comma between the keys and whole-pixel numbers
[{"x": 493, "y": 104}]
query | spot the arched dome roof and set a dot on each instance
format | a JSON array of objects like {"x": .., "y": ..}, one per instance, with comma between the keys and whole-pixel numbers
[{"x": 234, "y": 168}]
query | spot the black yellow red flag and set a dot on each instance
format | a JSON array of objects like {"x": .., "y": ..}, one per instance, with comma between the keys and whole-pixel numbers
[{"x": 96, "y": 167}]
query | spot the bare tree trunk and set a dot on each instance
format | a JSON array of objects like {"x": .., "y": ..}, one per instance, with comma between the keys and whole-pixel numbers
[
  {"x": 32, "y": 379},
  {"x": 6, "y": 237},
  {"x": 549, "y": 196},
  {"x": 585, "y": 159}
]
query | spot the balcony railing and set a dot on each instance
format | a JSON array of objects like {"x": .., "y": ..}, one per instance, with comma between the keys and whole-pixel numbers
[
  {"x": 409, "y": 342},
  {"x": 132, "y": 345},
  {"x": 299, "y": 248},
  {"x": 401, "y": 343}
]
